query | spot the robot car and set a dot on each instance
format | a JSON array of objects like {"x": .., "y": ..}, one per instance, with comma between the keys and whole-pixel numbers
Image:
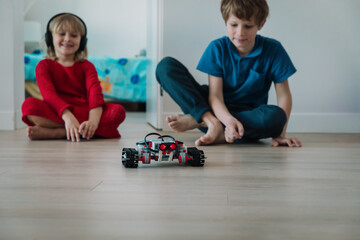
[{"x": 161, "y": 149}]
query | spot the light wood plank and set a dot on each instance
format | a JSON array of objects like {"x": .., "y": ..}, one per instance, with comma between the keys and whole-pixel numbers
[{"x": 63, "y": 190}]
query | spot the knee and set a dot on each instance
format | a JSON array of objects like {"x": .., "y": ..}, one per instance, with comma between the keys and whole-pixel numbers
[
  {"x": 119, "y": 114},
  {"x": 166, "y": 65},
  {"x": 275, "y": 120},
  {"x": 113, "y": 114},
  {"x": 30, "y": 109},
  {"x": 30, "y": 103}
]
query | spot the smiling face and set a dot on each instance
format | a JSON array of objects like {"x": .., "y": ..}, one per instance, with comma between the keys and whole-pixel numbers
[
  {"x": 66, "y": 43},
  {"x": 242, "y": 33},
  {"x": 67, "y": 33}
]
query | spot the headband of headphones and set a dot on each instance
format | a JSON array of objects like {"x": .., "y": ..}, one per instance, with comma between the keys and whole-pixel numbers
[{"x": 48, "y": 34}]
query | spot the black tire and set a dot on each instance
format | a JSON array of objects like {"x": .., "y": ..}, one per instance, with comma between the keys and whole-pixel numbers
[
  {"x": 198, "y": 157},
  {"x": 130, "y": 157}
]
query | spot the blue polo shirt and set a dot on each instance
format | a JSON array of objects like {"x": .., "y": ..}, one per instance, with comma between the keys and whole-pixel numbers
[{"x": 247, "y": 80}]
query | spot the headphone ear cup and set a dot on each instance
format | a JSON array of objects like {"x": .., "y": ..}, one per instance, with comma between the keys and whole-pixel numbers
[
  {"x": 48, "y": 39},
  {"x": 83, "y": 43}
]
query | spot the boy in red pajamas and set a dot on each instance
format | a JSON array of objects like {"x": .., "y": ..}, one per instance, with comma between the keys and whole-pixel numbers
[{"x": 73, "y": 105}]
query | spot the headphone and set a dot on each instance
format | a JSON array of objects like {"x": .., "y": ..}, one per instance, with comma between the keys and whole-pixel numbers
[{"x": 49, "y": 38}]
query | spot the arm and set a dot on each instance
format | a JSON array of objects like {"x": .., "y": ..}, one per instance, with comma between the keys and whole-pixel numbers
[
  {"x": 93, "y": 88},
  {"x": 284, "y": 100},
  {"x": 96, "y": 100},
  {"x": 233, "y": 128}
]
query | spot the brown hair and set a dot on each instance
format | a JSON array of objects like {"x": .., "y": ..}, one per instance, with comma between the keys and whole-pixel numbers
[
  {"x": 67, "y": 22},
  {"x": 245, "y": 9}
]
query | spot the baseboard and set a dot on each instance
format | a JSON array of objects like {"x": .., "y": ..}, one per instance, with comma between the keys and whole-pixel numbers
[
  {"x": 324, "y": 123},
  {"x": 7, "y": 120},
  {"x": 313, "y": 122},
  {"x": 18, "y": 120},
  {"x": 10, "y": 120}
]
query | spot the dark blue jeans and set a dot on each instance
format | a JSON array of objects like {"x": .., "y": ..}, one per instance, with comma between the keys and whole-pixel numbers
[{"x": 262, "y": 121}]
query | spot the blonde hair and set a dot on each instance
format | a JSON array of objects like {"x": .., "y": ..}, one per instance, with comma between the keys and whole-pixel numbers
[
  {"x": 245, "y": 9},
  {"x": 70, "y": 23}
]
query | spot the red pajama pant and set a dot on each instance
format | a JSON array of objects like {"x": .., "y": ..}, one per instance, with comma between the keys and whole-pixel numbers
[{"x": 112, "y": 115}]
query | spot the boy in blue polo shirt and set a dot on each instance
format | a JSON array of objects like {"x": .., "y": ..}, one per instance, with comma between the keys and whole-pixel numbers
[{"x": 241, "y": 68}]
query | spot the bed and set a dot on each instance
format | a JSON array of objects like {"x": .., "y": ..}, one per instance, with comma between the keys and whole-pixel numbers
[{"x": 122, "y": 79}]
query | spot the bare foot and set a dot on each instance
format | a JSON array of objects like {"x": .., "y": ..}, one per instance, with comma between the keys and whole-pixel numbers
[
  {"x": 38, "y": 133},
  {"x": 214, "y": 135},
  {"x": 182, "y": 123}
]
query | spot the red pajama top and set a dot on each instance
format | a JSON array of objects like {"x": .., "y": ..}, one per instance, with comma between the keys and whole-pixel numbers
[{"x": 69, "y": 87}]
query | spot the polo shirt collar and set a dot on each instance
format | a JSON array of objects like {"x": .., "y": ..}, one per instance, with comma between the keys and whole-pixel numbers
[{"x": 256, "y": 51}]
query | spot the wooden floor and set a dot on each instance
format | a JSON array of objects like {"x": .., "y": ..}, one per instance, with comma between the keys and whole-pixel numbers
[{"x": 62, "y": 190}]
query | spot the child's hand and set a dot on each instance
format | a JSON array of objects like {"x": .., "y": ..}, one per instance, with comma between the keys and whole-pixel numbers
[
  {"x": 72, "y": 130},
  {"x": 234, "y": 130},
  {"x": 87, "y": 129},
  {"x": 71, "y": 126},
  {"x": 282, "y": 141}
]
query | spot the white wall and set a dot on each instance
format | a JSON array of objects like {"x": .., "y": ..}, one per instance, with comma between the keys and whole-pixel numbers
[
  {"x": 12, "y": 92},
  {"x": 189, "y": 26},
  {"x": 116, "y": 28},
  {"x": 321, "y": 37}
]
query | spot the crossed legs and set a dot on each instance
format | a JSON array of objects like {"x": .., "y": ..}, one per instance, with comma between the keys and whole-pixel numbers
[
  {"x": 261, "y": 122},
  {"x": 45, "y": 129}
]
